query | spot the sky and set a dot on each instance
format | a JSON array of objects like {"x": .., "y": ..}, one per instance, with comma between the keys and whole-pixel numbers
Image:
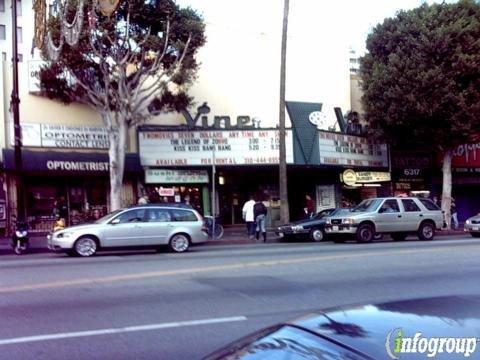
[
  {"x": 241, "y": 60},
  {"x": 345, "y": 21}
]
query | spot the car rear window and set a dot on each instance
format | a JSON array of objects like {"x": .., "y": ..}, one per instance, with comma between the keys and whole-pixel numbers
[
  {"x": 183, "y": 215},
  {"x": 409, "y": 205},
  {"x": 429, "y": 204}
]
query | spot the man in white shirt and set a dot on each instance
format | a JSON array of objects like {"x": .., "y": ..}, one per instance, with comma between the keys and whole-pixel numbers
[{"x": 248, "y": 216}]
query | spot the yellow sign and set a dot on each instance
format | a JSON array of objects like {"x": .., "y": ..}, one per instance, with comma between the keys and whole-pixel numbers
[{"x": 349, "y": 177}]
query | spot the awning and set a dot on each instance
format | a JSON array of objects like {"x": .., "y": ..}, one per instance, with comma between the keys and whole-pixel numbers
[{"x": 67, "y": 162}]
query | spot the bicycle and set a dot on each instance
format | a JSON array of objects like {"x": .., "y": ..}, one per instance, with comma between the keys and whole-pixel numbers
[{"x": 209, "y": 227}]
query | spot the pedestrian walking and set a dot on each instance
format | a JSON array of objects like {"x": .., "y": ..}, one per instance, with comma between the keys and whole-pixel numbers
[
  {"x": 260, "y": 215},
  {"x": 309, "y": 207},
  {"x": 248, "y": 216},
  {"x": 60, "y": 209},
  {"x": 143, "y": 200},
  {"x": 453, "y": 212}
]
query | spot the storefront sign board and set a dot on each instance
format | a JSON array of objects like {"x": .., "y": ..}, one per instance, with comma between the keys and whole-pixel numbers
[
  {"x": 365, "y": 177},
  {"x": 229, "y": 147},
  {"x": 34, "y": 67},
  {"x": 350, "y": 177},
  {"x": 64, "y": 136},
  {"x": 466, "y": 156},
  {"x": 165, "y": 176},
  {"x": 166, "y": 191},
  {"x": 341, "y": 149}
]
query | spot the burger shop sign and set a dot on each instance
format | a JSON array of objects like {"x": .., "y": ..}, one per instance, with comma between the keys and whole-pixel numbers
[{"x": 352, "y": 178}]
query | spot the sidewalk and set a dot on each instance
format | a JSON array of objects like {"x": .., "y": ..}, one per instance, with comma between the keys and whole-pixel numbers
[{"x": 233, "y": 235}]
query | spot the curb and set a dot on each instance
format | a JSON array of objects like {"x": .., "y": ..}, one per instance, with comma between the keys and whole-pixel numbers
[{"x": 38, "y": 244}]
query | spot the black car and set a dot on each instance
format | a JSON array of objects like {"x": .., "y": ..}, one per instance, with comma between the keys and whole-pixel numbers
[
  {"x": 312, "y": 228},
  {"x": 441, "y": 328}
]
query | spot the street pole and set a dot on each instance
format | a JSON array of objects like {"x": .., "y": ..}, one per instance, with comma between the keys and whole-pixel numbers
[
  {"x": 213, "y": 193},
  {"x": 284, "y": 207},
  {"x": 15, "y": 102}
]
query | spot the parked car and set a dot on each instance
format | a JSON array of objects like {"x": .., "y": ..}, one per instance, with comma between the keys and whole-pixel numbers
[
  {"x": 395, "y": 216},
  {"x": 472, "y": 225},
  {"x": 151, "y": 225},
  {"x": 308, "y": 228},
  {"x": 373, "y": 331}
]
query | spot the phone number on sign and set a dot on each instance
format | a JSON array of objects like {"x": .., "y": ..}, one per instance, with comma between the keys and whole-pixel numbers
[{"x": 262, "y": 160}]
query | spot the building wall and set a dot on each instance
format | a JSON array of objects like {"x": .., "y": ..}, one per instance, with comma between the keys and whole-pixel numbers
[
  {"x": 25, "y": 21},
  {"x": 356, "y": 94},
  {"x": 35, "y": 109},
  {"x": 240, "y": 65}
]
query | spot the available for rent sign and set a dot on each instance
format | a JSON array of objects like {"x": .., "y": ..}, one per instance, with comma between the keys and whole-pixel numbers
[{"x": 229, "y": 147}]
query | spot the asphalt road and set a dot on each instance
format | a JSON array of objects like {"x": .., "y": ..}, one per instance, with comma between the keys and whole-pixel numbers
[{"x": 149, "y": 305}]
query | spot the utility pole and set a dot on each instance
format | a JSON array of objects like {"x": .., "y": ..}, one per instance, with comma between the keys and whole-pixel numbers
[
  {"x": 15, "y": 104},
  {"x": 214, "y": 171},
  {"x": 284, "y": 207}
]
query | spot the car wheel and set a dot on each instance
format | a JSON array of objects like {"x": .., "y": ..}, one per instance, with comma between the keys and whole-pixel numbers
[
  {"x": 316, "y": 234},
  {"x": 377, "y": 236},
  {"x": 426, "y": 231},
  {"x": 475, "y": 235},
  {"x": 399, "y": 236},
  {"x": 179, "y": 243},
  {"x": 85, "y": 246},
  {"x": 365, "y": 233}
]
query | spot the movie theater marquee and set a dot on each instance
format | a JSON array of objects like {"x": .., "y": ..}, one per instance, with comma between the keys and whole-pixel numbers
[{"x": 230, "y": 147}]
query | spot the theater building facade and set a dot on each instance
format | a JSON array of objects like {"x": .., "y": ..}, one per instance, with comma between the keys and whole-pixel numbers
[{"x": 239, "y": 158}]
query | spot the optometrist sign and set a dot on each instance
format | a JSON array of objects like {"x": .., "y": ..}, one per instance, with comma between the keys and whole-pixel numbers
[
  {"x": 64, "y": 136},
  {"x": 229, "y": 147}
]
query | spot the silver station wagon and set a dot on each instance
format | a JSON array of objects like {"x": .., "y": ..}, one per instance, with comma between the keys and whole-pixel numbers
[{"x": 151, "y": 225}]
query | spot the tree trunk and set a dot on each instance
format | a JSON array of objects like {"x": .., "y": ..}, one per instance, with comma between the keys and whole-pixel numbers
[
  {"x": 284, "y": 207},
  {"x": 116, "y": 153},
  {"x": 447, "y": 186}
]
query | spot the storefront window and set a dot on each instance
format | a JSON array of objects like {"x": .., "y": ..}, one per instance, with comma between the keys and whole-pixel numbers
[
  {"x": 40, "y": 205},
  {"x": 96, "y": 197},
  {"x": 187, "y": 194},
  {"x": 77, "y": 200}
]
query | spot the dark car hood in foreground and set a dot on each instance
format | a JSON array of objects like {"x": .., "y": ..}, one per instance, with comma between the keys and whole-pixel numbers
[
  {"x": 369, "y": 330},
  {"x": 306, "y": 222}
]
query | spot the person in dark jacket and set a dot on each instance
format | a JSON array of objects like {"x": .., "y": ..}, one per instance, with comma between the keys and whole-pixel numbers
[{"x": 260, "y": 214}]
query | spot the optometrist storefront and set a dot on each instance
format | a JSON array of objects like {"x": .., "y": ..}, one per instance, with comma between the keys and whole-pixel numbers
[
  {"x": 66, "y": 166},
  {"x": 78, "y": 181}
]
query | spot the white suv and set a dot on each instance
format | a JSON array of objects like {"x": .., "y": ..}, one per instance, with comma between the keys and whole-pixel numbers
[{"x": 397, "y": 216}]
